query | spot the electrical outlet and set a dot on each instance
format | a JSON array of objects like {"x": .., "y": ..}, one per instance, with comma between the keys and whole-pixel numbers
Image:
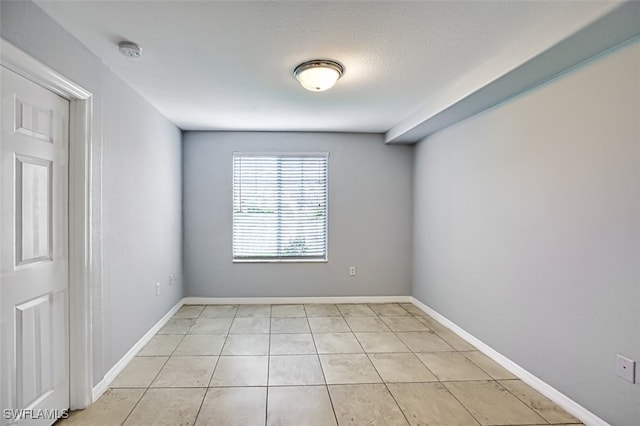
[
  {"x": 626, "y": 368},
  {"x": 172, "y": 279},
  {"x": 352, "y": 271},
  {"x": 157, "y": 289}
]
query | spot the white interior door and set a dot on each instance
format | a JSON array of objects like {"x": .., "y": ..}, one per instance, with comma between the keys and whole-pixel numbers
[{"x": 34, "y": 331}]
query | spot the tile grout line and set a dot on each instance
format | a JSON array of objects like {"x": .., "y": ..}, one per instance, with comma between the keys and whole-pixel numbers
[
  {"x": 266, "y": 402},
  {"x": 475, "y": 364},
  {"x": 444, "y": 385},
  {"x": 326, "y": 384},
  {"x": 520, "y": 399},
  {"x": 438, "y": 381},
  {"x": 492, "y": 379},
  {"x": 155, "y": 377},
  {"x": 226, "y": 336},
  {"x": 386, "y": 384},
  {"x": 395, "y": 333},
  {"x": 498, "y": 383},
  {"x": 324, "y": 376},
  {"x": 134, "y": 407},
  {"x": 206, "y": 392}
]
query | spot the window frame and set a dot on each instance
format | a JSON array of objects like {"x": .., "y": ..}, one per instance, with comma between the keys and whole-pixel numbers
[{"x": 281, "y": 259}]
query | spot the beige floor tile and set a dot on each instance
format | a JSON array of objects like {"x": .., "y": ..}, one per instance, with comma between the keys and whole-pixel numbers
[
  {"x": 292, "y": 344},
  {"x": 170, "y": 407},
  {"x": 356, "y": 310},
  {"x": 253, "y": 311},
  {"x": 161, "y": 345},
  {"x": 241, "y": 371},
  {"x": 250, "y": 325},
  {"x": 423, "y": 341},
  {"x": 407, "y": 323},
  {"x": 233, "y": 407},
  {"x": 322, "y": 310},
  {"x": 196, "y": 336},
  {"x": 430, "y": 404},
  {"x": 177, "y": 326},
  {"x": 288, "y": 311},
  {"x": 365, "y": 405},
  {"x": 452, "y": 366},
  {"x": 546, "y": 408},
  {"x": 186, "y": 372},
  {"x": 299, "y": 405},
  {"x": 211, "y": 326},
  {"x": 401, "y": 368},
  {"x": 246, "y": 344},
  {"x": 140, "y": 372},
  {"x": 366, "y": 324},
  {"x": 111, "y": 409},
  {"x": 189, "y": 311},
  {"x": 348, "y": 368},
  {"x": 412, "y": 309},
  {"x": 328, "y": 325},
  {"x": 193, "y": 344},
  {"x": 489, "y": 366},
  {"x": 491, "y": 404},
  {"x": 290, "y": 325},
  {"x": 446, "y": 334},
  {"x": 219, "y": 311},
  {"x": 388, "y": 309},
  {"x": 431, "y": 323},
  {"x": 295, "y": 370},
  {"x": 337, "y": 343},
  {"x": 381, "y": 342},
  {"x": 454, "y": 340}
]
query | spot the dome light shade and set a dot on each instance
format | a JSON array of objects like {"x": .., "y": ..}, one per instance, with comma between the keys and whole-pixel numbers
[{"x": 318, "y": 75}]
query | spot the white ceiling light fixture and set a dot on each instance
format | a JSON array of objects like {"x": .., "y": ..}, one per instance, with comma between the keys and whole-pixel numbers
[
  {"x": 130, "y": 49},
  {"x": 319, "y": 74}
]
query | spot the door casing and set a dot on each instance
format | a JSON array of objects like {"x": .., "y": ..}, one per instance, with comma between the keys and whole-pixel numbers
[{"x": 84, "y": 219}]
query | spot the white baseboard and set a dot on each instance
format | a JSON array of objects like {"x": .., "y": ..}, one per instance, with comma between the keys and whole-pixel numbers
[
  {"x": 569, "y": 405},
  {"x": 288, "y": 300},
  {"x": 104, "y": 384}
]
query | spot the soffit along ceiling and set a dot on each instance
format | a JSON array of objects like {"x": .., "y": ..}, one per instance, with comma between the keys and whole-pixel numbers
[{"x": 211, "y": 65}]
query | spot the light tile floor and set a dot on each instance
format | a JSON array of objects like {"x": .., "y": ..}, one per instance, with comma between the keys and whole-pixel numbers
[{"x": 355, "y": 364}]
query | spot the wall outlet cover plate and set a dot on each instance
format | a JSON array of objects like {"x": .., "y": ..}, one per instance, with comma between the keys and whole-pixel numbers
[{"x": 626, "y": 368}]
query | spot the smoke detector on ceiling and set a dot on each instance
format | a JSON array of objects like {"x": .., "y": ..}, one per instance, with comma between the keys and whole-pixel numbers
[{"x": 130, "y": 49}]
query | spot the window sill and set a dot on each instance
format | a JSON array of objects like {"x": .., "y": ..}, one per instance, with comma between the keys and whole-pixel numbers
[{"x": 280, "y": 260}]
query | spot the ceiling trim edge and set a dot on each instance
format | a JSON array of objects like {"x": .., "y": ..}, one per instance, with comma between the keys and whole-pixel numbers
[{"x": 616, "y": 27}]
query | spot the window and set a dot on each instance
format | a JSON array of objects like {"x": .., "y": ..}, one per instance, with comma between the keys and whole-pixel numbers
[{"x": 280, "y": 207}]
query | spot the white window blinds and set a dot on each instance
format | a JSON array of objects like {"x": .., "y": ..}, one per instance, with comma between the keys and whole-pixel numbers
[{"x": 279, "y": 206}]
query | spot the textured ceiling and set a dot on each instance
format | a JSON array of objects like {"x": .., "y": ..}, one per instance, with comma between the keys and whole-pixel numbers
[{"x": 210, "y": 65}]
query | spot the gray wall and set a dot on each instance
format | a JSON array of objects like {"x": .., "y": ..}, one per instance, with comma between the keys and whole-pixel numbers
[
  {"x": 527, "y": 230},
  {"x": 369, "y": 218},
  {"x": 137, "y": 164}
]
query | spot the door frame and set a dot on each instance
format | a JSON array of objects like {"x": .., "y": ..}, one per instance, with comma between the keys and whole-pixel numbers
[{"x": 84, "y": 200}]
